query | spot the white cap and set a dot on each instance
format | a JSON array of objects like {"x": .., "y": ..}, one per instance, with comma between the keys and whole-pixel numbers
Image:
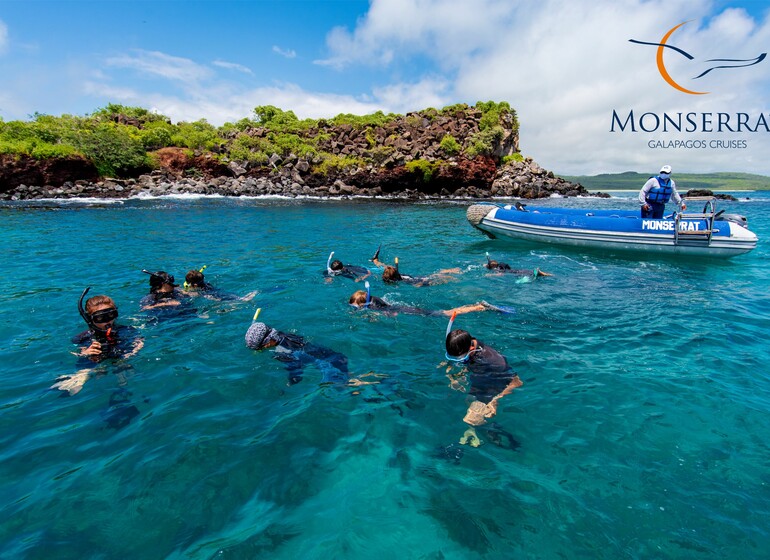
[{"x": 665, "y": 169}]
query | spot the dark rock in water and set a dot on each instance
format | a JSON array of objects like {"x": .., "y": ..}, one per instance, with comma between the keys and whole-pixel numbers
[{"x": 706, "y": 192}]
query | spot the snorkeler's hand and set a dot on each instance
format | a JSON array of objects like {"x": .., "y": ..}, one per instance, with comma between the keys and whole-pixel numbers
[{"x": 94, "y": 350}]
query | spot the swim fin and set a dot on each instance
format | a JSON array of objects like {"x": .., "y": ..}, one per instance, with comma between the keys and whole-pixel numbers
[
  {"x": 376, "y": 253},
  {"x": 499, "y": 308}
]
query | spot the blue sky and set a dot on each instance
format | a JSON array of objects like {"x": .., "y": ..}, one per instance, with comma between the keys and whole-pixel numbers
[{"x": 563, "y": 65}]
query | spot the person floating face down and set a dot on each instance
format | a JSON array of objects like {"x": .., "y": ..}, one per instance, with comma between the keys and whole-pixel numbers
[
  {"x": 336, "y": 268},
  {"x": 491, "y": 377},
  {"x": 656, "y": 192},
  {"x": 524, "y": 274},
  {"x": 362, "y": 299},
  {"x": 104, "y": 340},
  {"x": 195, "y": 284},
  {"x": 392, "y": 275},
  {"x": 295, "y": 353}
]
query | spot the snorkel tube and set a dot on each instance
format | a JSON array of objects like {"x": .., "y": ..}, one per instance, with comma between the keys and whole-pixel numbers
[
  {"x": 488, "y": 259},
  {"x": 99, "y": 334},
  {"x": 256, "y": 314},
  {"x": 449, "y": 330},
  {"x": 396, "y": 264},
  {"x": 329, "y": 265},
  {"x": 368, "y": 294},
  {"x": 451, "y": 322}
]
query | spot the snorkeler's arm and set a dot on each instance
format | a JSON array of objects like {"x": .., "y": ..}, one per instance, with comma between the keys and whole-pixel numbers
[
  {"x": 137, "y": 345},
  {"x": 492, "y": 405}
]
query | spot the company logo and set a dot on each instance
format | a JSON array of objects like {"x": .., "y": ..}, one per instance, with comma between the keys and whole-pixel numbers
[{"x": 729, "y": 62}]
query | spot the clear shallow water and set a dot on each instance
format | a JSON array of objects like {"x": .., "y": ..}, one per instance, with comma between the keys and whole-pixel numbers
[{"x": 641, "y": 426}]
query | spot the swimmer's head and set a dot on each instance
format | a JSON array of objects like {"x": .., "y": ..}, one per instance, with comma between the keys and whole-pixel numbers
[
  {"x": 495, "y": 265},
  {"x": 391, "y": 274},
  {"x": 358, "y": 299},
  {"x": 194, "y": 279},
  {"x": 160, "y": 281},
  {"x": 260, "y": 336},
  {"x": 336, "y": 265},
  {"x": 458, "y": 345}
]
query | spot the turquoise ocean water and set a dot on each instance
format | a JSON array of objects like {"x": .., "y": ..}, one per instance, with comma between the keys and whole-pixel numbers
[{"x": 641, "y": 430}]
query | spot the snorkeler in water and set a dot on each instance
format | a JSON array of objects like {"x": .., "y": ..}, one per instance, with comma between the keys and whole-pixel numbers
[
  {"x": 103, "y": 340},
  {"x": 391, "y": 274},
  {"x": 363, "y": 299},
  {"x": 336, "y": 268},
  {"x": 295, "y": 353},
  {"x": 525, "y": 274},
  {"x": 490, "y": 378},
  {"x": 195, "y": 284}
]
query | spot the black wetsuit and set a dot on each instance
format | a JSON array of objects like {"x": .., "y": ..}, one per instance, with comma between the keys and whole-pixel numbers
[
  {"x": 295, "y": 354},
  {"x": 418, "y": 281},
  {"x": 502, "y": 267},
  {"x": 184, "y": 308},
  {"x": 118, "y": 344},
  {"x": 490, "y": 372},
  {"x": 379, "y": 304},
  {"x": 348, "y": 271},
  {"x": 211, "y": 292}
]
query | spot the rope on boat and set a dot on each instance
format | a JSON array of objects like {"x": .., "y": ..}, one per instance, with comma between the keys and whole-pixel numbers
[{"x": 478, "y": 212}]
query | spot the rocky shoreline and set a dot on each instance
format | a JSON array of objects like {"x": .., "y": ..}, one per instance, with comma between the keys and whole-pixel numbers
[{"x": 525, "y": 179}]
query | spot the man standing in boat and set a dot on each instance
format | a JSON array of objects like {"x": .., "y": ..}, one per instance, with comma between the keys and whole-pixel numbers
[{"x": 656, "y": 192}]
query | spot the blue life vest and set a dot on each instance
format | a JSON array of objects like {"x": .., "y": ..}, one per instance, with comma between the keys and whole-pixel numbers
[{"x": 661, "y": 193}]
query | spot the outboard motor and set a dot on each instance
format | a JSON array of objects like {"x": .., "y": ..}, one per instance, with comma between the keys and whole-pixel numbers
[{"x": 734, "y": 218}]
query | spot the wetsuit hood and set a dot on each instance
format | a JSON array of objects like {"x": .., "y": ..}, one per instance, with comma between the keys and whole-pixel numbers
[{"x": 259, "y": 334}]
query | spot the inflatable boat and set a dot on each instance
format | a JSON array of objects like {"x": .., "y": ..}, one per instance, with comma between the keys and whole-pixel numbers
[{"x": 685, "y": 232}]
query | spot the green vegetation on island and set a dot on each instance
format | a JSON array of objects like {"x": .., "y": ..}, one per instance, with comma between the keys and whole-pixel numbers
[
  {"x": 121, "y": 141},
  {"x": 631, "y": 180}
]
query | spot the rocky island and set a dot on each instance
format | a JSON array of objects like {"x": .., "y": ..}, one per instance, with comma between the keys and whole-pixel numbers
[{"x": 459, "y": 151}]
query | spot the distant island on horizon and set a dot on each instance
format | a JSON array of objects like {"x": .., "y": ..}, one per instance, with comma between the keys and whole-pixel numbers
[{"x": 631, "y": 180}]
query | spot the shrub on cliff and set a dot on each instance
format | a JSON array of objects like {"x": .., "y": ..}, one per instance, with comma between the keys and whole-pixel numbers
[
  {"x": 112, "y": 149},
  {"x": 425, "y": 169},
  {"x": 450, "y": 145}
]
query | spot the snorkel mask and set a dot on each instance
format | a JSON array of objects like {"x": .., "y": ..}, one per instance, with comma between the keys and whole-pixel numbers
[
  {"x": 455, "y": 359},
  {"x": 367, "y": 301},
  {"x": 107, "y": 315},
  {"x": 186, "y": 284}
]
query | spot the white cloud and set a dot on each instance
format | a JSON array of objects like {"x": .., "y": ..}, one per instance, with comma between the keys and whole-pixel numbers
[
  {"x": 3, "y": 37},
  {"x": 232, "y": 66},
  {"x": 154, "y": 63},
  {"x": 286, "y": 53},
  {"x": 565, "y": 66}
]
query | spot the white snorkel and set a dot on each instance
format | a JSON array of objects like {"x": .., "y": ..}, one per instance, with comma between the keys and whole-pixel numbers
[
  {"x": 368, "y": 294},
  {"x": 329, "y": 265}
]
